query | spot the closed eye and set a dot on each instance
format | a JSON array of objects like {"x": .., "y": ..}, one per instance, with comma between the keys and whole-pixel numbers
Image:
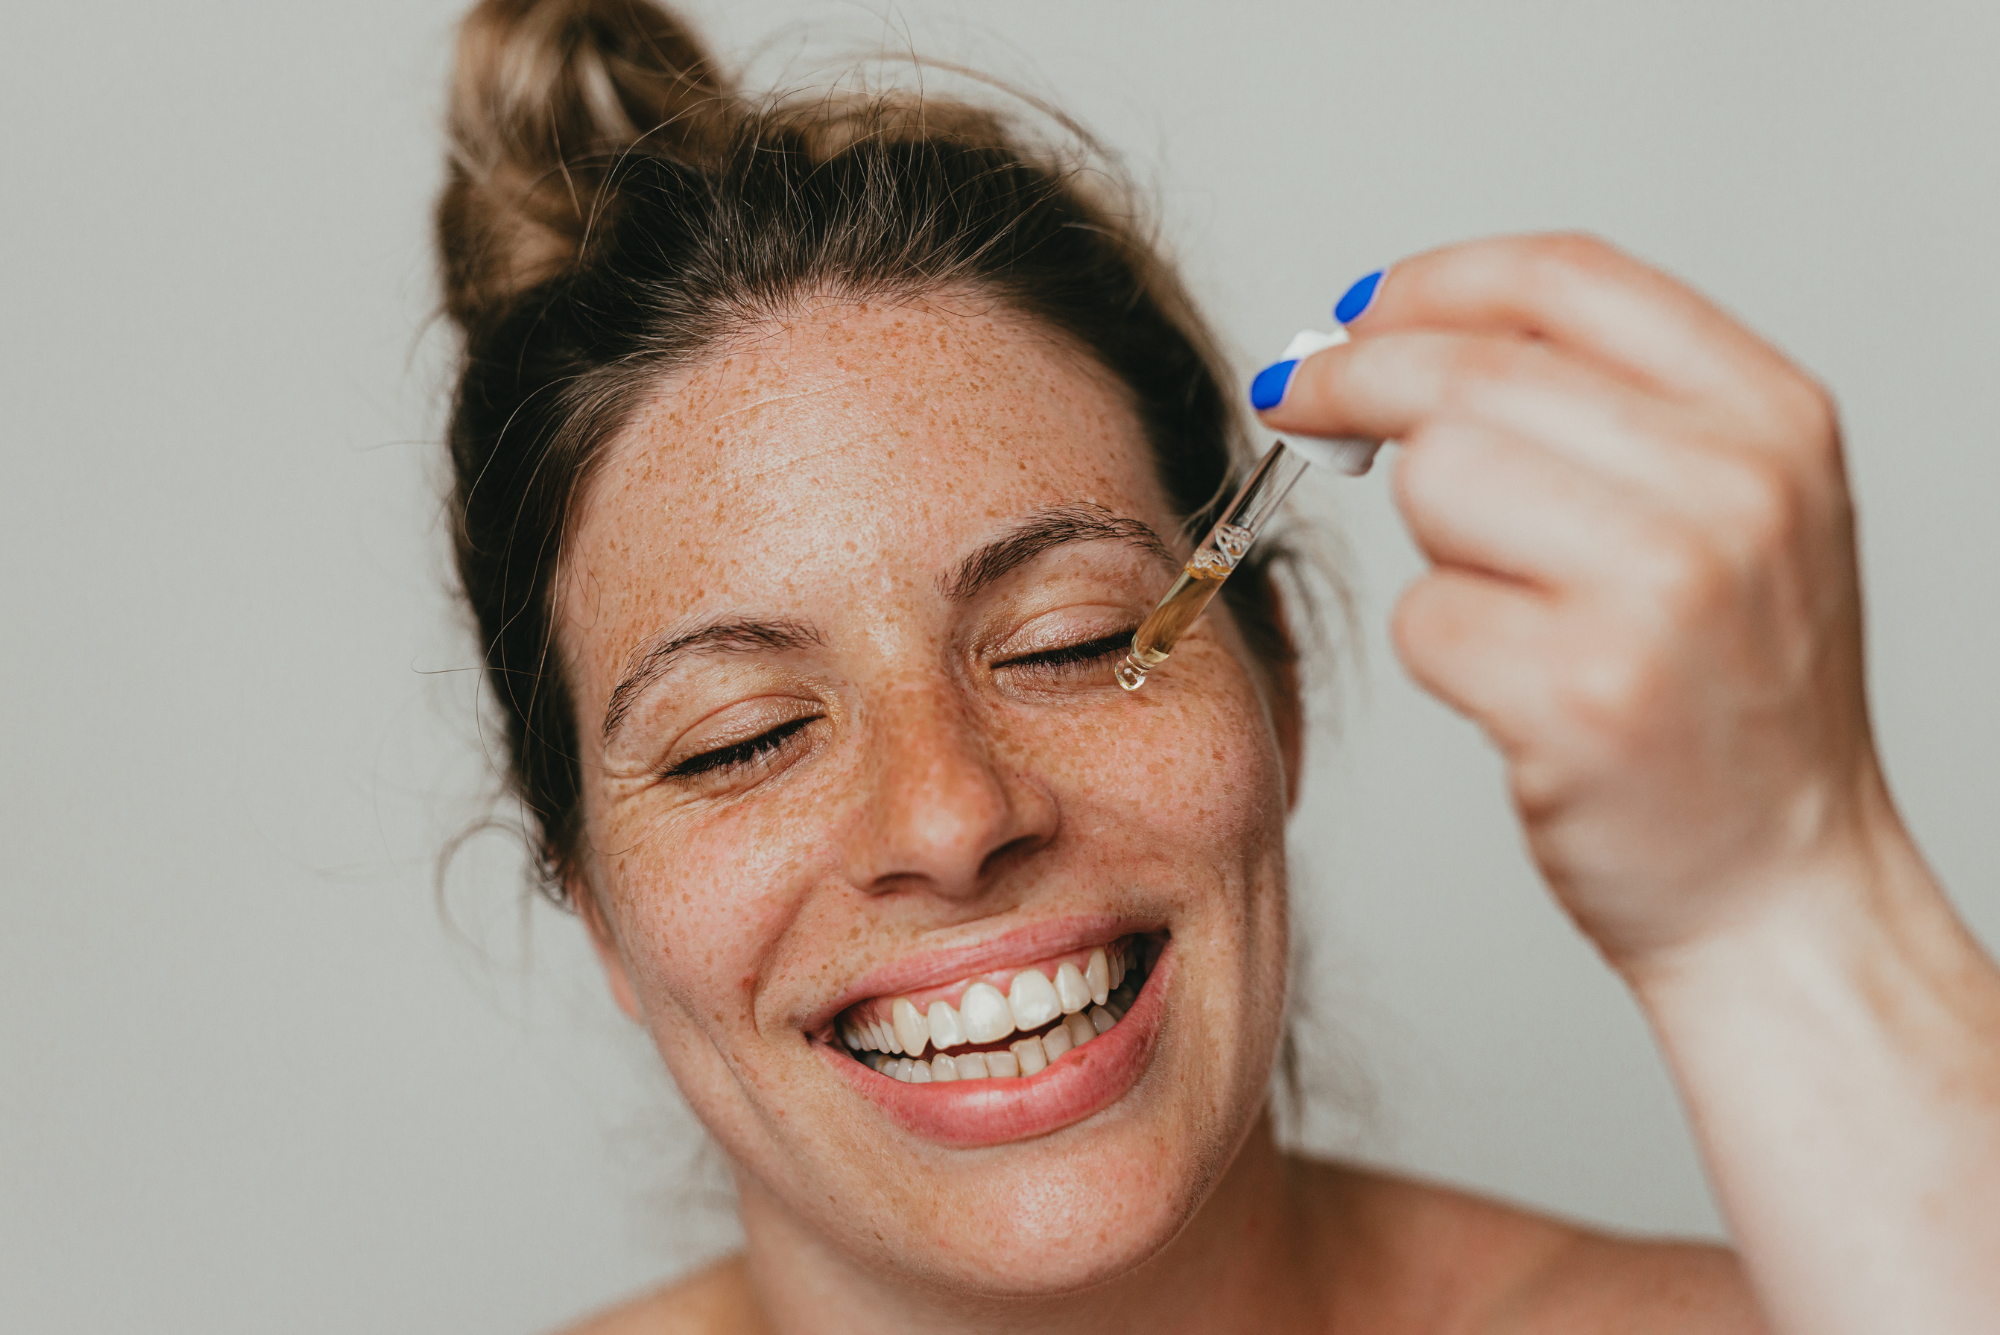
[
  {"x": 1071, "y": 655},
  {"x": 738, "y": 755}
]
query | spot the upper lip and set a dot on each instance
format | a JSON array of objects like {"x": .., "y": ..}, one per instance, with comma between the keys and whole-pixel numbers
[{"x": 1023, "y": 946}]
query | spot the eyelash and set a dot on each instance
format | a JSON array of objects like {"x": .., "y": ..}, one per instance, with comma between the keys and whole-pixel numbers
[
  {"x": 742, "y": 754},
  {"x": 739, "y": 755},
  {"x": 1072, "y": 655}
]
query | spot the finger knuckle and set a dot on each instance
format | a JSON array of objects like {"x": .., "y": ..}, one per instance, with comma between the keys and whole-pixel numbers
[
  {"x": 1804, "y": 416},
  {"x": 1425, "y": 623},
  {"x": 1480, "y": 366},
  {"x": 1410, "y": 621},
  {"x": 1562, "y": 257},
  {"x": 1429, "y": 469},
  {"x": 1610, "y": 694},
  {"x": 1540, "y": 789},
  {"x": 1678, "y": 573},
  {"x": 1760, "y": 506}
]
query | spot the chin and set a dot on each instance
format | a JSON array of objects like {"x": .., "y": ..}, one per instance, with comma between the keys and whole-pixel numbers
[{"x": 1048, "y": 1180}]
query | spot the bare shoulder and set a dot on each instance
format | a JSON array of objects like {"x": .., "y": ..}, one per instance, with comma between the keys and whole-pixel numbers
[
  {"x": 714, "y": 1301},
  {"x": 1469, "y": 1263},
  {"x": 1637, "y": 1285}
]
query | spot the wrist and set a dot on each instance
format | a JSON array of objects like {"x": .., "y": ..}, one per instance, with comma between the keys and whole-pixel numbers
[{"x": 1859, "y": 902}]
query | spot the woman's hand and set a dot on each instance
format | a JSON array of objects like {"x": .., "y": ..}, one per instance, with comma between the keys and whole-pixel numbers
[
  {"x": 1643, "y": 582},
  {"x": 1643, "y": 587}
]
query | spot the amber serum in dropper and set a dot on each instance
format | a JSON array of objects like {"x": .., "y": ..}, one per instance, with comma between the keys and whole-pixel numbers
[{"x": 1255, "y": 502}]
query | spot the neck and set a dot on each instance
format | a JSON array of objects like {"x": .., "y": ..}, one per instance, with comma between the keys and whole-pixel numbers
[{"x": 1247, "y": 1260}]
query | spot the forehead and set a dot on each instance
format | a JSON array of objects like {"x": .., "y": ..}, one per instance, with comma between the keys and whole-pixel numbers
[{"x": 851, "y": 437}]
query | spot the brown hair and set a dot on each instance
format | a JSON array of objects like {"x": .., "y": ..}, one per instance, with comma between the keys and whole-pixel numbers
[{"x": 614, "y": 210}]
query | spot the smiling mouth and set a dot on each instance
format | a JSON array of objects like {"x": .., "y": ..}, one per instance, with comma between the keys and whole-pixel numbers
[{"x": 1000, "y": 1025}]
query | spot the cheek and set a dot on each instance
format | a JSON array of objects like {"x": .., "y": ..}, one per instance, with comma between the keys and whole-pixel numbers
[
  {"x": 1190, "y": 756},
  {"x": 1176, "y": 788},
  {"x": 701, "y": 906}
]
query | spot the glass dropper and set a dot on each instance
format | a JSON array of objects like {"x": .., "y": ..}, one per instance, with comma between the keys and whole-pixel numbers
[{"x": 1242, "y": 520}]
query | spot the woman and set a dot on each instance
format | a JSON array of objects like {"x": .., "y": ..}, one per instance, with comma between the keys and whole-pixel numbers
[{"x": 813, "y": 467}]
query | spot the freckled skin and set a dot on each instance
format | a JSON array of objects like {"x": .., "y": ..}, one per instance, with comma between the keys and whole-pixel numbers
[{"x": 831, "y": 471}]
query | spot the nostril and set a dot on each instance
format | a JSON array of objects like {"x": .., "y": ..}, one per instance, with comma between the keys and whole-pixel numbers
[{"x": 1009, "y": 856}]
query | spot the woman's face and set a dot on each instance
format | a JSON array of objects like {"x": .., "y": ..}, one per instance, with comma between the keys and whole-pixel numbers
[{"x": 840, "y": 616}]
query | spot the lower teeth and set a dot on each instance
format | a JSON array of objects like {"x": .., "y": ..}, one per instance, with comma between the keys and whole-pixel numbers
[{"x": 1024, "y": 1056}]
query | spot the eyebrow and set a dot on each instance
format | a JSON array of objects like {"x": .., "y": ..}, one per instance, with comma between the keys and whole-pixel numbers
[
  {"x": 1077, "y": 521},
  {"x": 719, "y": 637}
]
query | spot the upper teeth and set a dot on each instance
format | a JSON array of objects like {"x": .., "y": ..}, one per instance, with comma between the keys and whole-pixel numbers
[{"x": 985, "y": 1015}]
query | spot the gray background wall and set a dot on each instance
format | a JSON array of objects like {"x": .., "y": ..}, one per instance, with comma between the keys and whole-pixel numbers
[{"x": 252, "y": 1079}]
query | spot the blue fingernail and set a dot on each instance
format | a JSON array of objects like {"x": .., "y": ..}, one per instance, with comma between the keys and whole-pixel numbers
[
  {"x": 1267, "y": 391},
  {"x": 1357, "y": 298}
]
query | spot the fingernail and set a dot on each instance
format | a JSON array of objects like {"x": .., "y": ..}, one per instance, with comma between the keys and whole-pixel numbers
[
  {"x": 1267, "y": 391},
  {"x": 1357, "y": 298}
]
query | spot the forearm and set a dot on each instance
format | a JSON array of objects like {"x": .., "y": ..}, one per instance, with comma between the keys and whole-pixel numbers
[{"x": 1840, "y": 1060}]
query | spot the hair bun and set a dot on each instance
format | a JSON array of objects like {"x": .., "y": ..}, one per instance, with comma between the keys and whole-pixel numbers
[{"x": 544, "y": 95}]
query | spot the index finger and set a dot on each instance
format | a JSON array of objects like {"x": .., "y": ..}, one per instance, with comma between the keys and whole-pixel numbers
[{"x": 1582, "y": 295}]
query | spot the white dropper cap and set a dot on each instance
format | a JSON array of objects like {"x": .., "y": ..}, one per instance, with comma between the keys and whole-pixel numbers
[{"x": 1343, "y": 453}]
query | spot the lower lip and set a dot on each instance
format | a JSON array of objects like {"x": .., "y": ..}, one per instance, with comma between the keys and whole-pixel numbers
[{"x": 965, "y": 1114}]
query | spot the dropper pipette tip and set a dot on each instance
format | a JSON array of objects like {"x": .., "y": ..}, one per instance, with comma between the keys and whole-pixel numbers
[{"x": 1212, "y": 563}]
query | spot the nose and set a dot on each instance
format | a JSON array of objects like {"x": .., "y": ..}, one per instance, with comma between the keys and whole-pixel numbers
[{"x": 942, "y": 814}]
